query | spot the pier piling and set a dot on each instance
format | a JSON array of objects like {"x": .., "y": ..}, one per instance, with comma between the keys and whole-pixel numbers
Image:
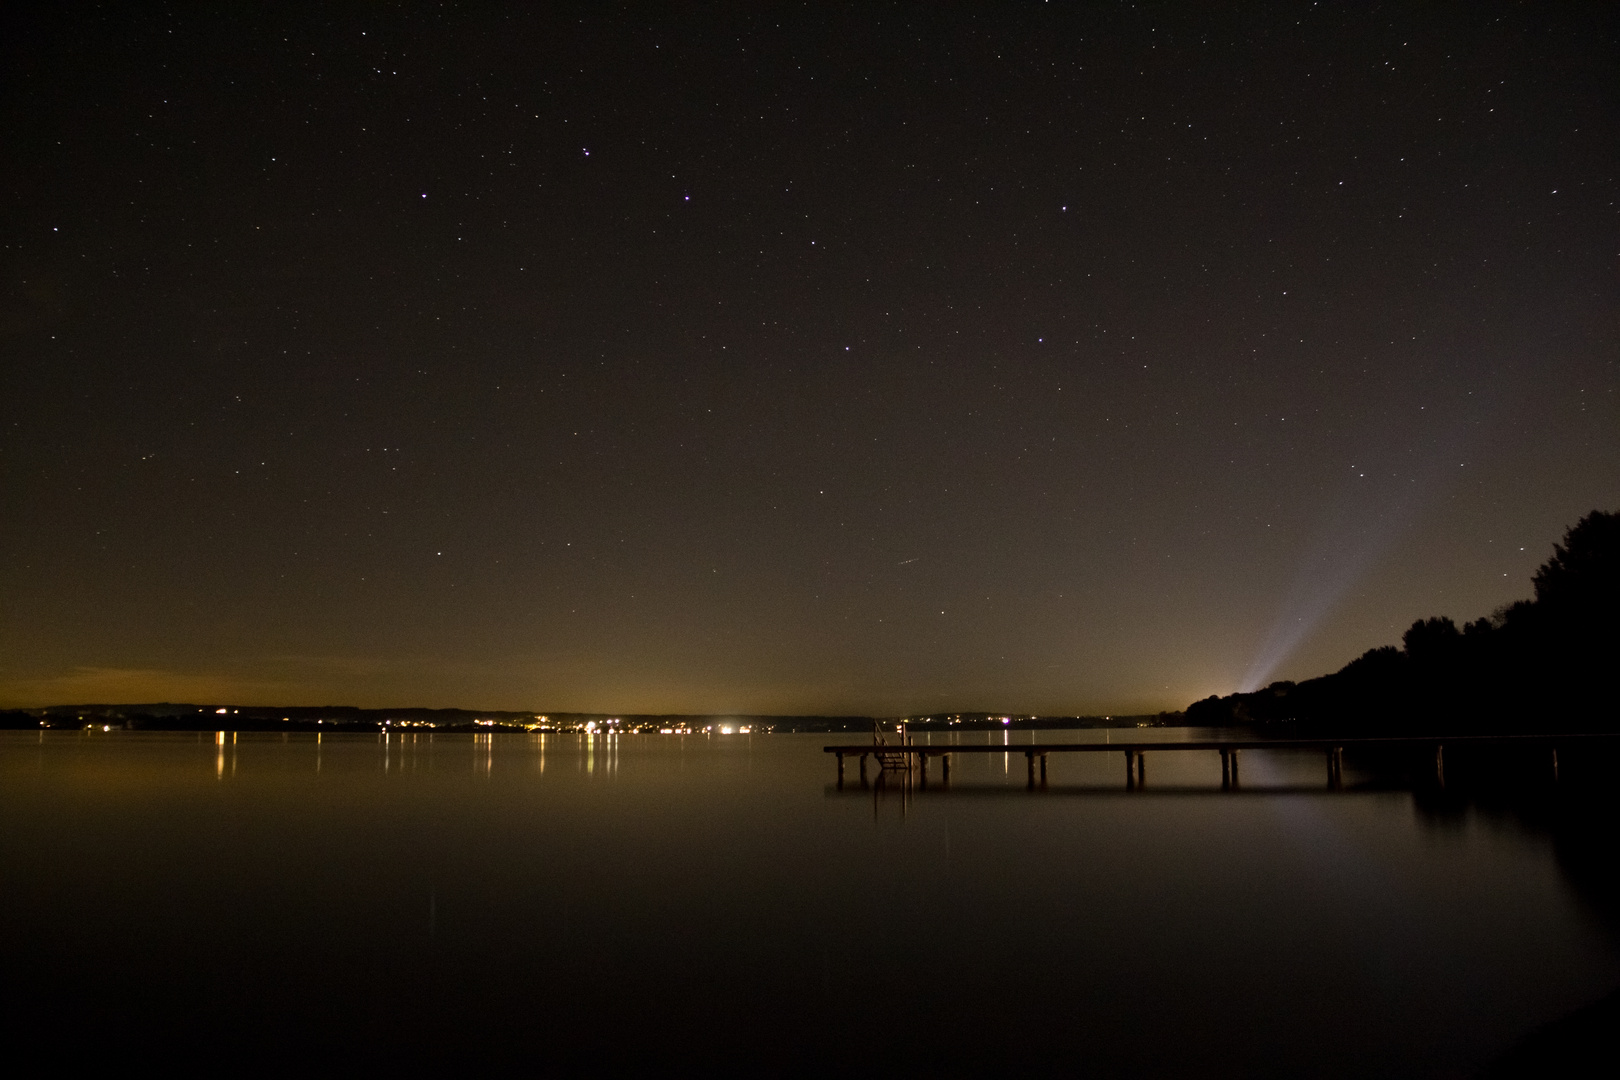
[{"x": 1135, "y": 769}]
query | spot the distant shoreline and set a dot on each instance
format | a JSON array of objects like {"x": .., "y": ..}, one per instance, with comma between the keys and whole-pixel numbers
[{"x": 167, "y": 716}]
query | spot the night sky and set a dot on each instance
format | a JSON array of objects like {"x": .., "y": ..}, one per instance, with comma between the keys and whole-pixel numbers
[{"x": 886, "y": 358}]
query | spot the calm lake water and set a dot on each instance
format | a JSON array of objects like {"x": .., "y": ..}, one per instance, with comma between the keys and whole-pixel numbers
[{"x": 561, "y": 903}]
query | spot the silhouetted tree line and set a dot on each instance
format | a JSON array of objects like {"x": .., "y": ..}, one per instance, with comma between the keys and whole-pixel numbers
[{"x": 1536, "y": 665}]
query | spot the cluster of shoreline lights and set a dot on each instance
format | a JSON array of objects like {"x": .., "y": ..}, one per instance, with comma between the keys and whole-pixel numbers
[{"x": 615, "y": 726}]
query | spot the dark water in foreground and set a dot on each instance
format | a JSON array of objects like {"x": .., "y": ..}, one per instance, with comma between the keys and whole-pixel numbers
[{"x": 559, "y": 904}]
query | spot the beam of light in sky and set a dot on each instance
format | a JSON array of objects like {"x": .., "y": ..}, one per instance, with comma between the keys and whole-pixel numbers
[
  {"x": 1344, "y": 549},
  {"x": 1373, "y": 510}
]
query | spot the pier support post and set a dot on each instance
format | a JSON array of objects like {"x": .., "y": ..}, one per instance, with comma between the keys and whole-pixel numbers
[
  {"x": 1226, "y": 769},
  {"x": 1555, "y": 764},
  {"x": 840, "y": 770},
  {"x": 1440, "y": 764},
  {"x": 1043, "y": 770},
  {"x": 863, "y": 770},
  {"x": 1234, "y": 754},
  {"x": 1141, "y": 768},
  {"x": 945, "y": 770},
  {"x": 1133, "y": 769},
  {"x": 1335, "y": 767},
  {"x": 1029, "y": 756},
  {"x": 924, "y": 778}
]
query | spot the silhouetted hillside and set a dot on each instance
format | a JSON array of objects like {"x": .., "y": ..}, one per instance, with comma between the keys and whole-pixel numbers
[{"x": 1535, "y": 665}]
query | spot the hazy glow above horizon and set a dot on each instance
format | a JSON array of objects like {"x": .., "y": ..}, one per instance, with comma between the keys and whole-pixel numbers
[{"x": 1063, "y": 390}]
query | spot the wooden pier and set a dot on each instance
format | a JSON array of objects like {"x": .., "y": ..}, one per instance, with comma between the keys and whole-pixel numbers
[{"x": 917, "y": 755}]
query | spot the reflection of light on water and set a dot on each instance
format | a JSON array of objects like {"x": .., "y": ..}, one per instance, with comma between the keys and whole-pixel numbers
[
  {"x": 607, "y": 763},
  {"x": 1336, "y": 854},
  {"x": 219, "y": 755}
]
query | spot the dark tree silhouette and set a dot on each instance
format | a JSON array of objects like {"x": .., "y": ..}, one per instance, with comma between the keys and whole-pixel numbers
[
  {"x": 1582, "y": 579},
  {"x": 1534, "y": 665},
  {"x": 1433, "y": 642}
]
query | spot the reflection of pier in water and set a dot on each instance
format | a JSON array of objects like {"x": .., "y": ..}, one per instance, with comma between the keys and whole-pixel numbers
[{"x": 902, "y": 761}]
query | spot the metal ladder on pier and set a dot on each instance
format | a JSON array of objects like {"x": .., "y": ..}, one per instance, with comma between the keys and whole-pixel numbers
[{"x": 892, "y": 760}]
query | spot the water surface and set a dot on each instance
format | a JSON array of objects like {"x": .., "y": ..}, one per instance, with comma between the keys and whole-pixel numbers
[{"x": 558, "y": 902}]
